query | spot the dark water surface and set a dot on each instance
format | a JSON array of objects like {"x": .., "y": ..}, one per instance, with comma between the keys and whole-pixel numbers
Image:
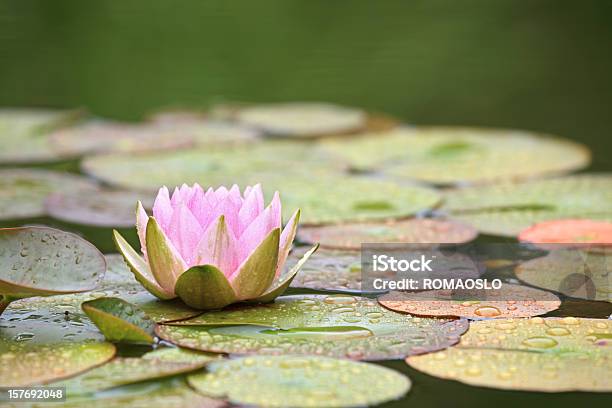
[{"x": 543, "y": 65}]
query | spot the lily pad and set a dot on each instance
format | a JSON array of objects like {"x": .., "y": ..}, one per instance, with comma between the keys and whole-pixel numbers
[
  {"x": 100, "y": 208},
  {"x": 509, "y": 301},
  {"x": 507, "y": 209},
  {"x": 324, "y": 194},
  {"x": 342, "y": 199},
  {"x": 416, "y": 230},
  {"x": 336, "y": 326},
  {"x": 575, "y": 273},
  {"x": 168, "y": 393},
  {"x": 24, "y": 364},
  {"x": 302, "y": 119},
  {"x": 126, "y": 370},
  {"x": 23, "y": 134},
  {"x": 120, "y": 321},
  {"x": 332, "y": 270},
  {"x": 297, "y": 381},
  {"x": 340, "y": 271},
  {"x": 23, "y": 191},
  {"x": 569, "y": 232},
  {"x": 44, "y": 261},
  {"x": 443, "y": 155},
  {"x": 537, "y": 354},
  {"x": 181, "y": 355}
]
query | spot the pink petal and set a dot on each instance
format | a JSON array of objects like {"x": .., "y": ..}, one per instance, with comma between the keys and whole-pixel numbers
[
  {"x": 162, "y": 208},
  {"x": 184, "y": 232},
  {"x": 253, "y": 205},
  {"x": 141, "y": 227},
  {"x": 218, "y": 247},
  {"x": 263, "y": 224}
]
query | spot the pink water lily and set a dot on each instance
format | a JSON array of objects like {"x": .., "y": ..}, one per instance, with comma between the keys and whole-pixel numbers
[{"x": 212, "y": 248}]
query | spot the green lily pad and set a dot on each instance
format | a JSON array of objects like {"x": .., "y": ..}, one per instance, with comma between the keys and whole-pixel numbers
[
  {"x": 24, "y": 364},
  {"x": 23, "y": 191},
  {"x": 509, "y": 301},
  {"x": 575, "y": 273},
  {"x": 168, "y": 393},
  {"x": 507, "y": 209},
  {"x": 23, "y": 134},
  {"x": 122, "y": 371},
  {"x": 101, "y": 208},
  {"x": 181, "y": 355},
  {"x": 44, "y": 261},
  {"x": 537, "y": 354},
  {"x": 317, "y": 186},
  {"x": 442, "y": 155},
  {"x": 416, "y": 230},
  {"x": 302, "y": 119},
  {"x": 335, "y": 326},
  {"x": 210, "y": 167},
  {"x": 120, "y": 321},
  {"x": 332, "y": 270},
  {"x": 297, "y": 381},
  {"x": 339, "y": 199}
]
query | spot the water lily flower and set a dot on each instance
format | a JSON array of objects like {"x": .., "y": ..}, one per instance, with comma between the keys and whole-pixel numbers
[{"x": 213, "y": 248}]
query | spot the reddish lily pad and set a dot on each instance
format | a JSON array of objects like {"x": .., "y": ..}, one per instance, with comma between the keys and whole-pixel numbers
[
  {"x": 336, "y": 325},
  {"x": 509, "y": 301},
  {"x": 23, "y": 191},
  {"x": 288, "y": 381},
  {"x": 120, "y": 321},
  {"x": 569, "y": 232},
  {"x": 44, "y": 261},
  {"x": 25, "y": 365},
  {"x": 101, "y": 208},
  {"x": 537, "y": 354},
  {"x": 413, "y": 231}
]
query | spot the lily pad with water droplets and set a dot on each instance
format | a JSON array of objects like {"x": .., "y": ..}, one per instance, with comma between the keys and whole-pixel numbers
[
  {"x": 442, "y": 155},
  {"x": 302, "y": 119},
  {"x": 100, "y": 208},
  {"x": 120, "y": 321},
  {"x": 25, "y": 364},
  {"x": 23, "y": 134},
  {"x": 537, "y": 354},
  {"x": 167, "y": 392},
  {"x": 335, "y": 326},
  {"x": 23, "y": 191},
  {"x": 125, "y": 370},
  {"x": 412, "y": 231},
  {"x": 507, "y": 209},
  {"x": 575, "y": 273},
  {"x": 44, "y": 261},
  {"x": 298, "y": 381},
  {"x": 509, "y": 301}
]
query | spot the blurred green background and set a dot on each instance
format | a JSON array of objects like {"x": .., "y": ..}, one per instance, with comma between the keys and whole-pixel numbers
[
  {"x": 537, "y": 64},
  {"x": 544, "y": 65}
]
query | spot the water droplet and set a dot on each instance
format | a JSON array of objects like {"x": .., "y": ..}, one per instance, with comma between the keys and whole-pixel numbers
[
  {"x": 558, "y": 331},
  {"x": 540, "y": 342},
  {"x": 487, "y": 311}
]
